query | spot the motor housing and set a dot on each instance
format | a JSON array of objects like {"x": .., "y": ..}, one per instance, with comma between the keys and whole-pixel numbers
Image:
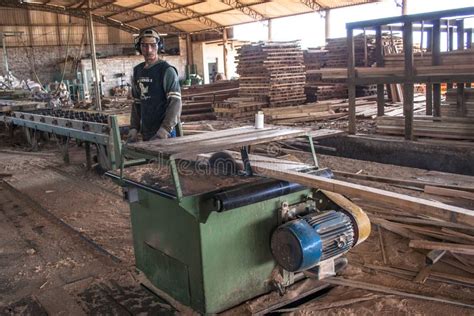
[{"x": 303, "y": 243}]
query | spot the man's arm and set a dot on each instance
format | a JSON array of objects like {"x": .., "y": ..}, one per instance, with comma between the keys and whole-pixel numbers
[{"x": 173, "y": 95}]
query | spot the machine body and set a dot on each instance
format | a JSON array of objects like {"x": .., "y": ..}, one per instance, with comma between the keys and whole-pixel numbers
[{"x": 215, "y": 250}]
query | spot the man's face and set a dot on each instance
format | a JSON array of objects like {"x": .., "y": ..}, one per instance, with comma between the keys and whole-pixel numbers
[{"x": 149, "y": 49}]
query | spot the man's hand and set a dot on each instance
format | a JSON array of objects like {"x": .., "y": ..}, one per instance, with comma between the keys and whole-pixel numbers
[
  {"x": 132, "y": 136},
  {"x": 161, "y": 134}
]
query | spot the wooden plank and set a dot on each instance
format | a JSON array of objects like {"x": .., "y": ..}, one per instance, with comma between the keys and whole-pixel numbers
[
  {"x": 449, "y": 192},
  {"x": 417, "y": 205},
  {"x": 391, "y": 291},
  {"x": 416, "y": 183},
  {"x": 433, "y": 245}
]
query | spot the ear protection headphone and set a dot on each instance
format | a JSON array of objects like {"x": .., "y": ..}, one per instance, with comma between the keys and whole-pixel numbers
[{"x": 148, "y": 33}]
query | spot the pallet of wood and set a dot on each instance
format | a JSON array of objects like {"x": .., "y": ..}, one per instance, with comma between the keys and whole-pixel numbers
[
  {"x": 425, "y": 58},
  {"x": 241, "y": 108},
  {"x": 316, "y": 111},
  {"x": 428, "y": 126},
  {"x": 198, "y": 100},
  {"x": 451, "y": 108},
  {"x": 272, "y": 71}
]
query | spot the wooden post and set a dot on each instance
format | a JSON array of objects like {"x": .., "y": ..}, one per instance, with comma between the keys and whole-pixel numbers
[
  {"x": 408, "y": 85},
  {"x": 189, "y": 50},
  {"x": 450, "y": 38},
  {"x": 327, "y": 25},
  {"x": 351, "y": 81},
  {"x": 429, "y": 99},
  {"x": 269, "y": 35},
  {"x": 379, "y": 59},
  {"x": 468, "y": 45},
  {"x": 366, "y": 58},
  {"x": 224, "y": 51},
  {"x": 429, "y": 86},
  {"x": 404, "y": 7},
  {"x": 436, "y": 60},
  {"x": 95, "y": 71},
  {"x": 460, "y": 104}
]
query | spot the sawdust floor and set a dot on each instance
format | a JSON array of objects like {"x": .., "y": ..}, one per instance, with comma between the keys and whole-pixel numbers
[{"x": 46, "y": 268}]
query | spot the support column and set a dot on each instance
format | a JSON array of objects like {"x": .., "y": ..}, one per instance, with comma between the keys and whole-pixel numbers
[
  {"x": 224, "y": 49},
  {"x": 408, "y": 85},
  {"x": 269, "y": 34},
  {"x": 468, "y": 45},
  {"x": 5, "y": 55},
  {"x": 189, "y": 50},
  {"x": 428, "y": 85},
  {"x": 460, "y": 104},
  {"x": 404, "y": 7},
  {"x": 351, "y": 81},
  {"x": 436, "y": 60},
  {"x": 93, "y": 58},
  {"x": 327, "y": 25},
  {"x": 379, "y": 59},
  {"x": 450, "y": 32}
]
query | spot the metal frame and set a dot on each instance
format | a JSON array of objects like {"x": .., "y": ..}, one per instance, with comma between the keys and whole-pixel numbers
[{"x": 127, "y": 153}]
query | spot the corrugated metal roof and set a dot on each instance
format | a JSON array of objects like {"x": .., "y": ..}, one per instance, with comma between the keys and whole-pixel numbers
[{"x": 178, "y": 16}]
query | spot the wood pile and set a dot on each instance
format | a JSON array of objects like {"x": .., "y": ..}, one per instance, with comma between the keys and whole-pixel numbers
[
  {"x": 334, "y": 55},
  {"x": 451, "y": 108},
  {"x": 272, "y": 72},
  {"x": 428, "y": 126},
  {"x": 243, "y": 108},
  {"x": 317, "y": 111},
  {"x": 198, "y": 101},
  {"x": 424, "y": 59},
  {"x": 325, "y": 91},
  {"x": 440, "y": 241}
]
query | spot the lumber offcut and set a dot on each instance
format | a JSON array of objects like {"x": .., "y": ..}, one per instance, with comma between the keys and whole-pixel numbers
[{"x": 416, "y": 205}]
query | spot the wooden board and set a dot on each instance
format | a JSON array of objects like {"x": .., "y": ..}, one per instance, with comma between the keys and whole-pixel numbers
[
  {"x": 186, "y": 146},
  {"x": 416, "y": 205}
]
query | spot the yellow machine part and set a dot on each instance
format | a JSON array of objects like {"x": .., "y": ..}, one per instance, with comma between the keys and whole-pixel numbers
[{"x": 361, "y": 218}]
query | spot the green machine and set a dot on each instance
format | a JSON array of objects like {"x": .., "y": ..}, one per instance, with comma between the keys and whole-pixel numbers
[{"x": 211, "y": 233}]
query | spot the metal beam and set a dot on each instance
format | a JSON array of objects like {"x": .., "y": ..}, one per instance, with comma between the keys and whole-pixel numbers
[
  {"x": 118, "y": 9},
  {"x": 313, "y": 5},
  {"x": 193, "y": 15},
  {"x": 79, "y": 13},
  {"x": 161, "y": 12},
  {"x": 244, "y": 8},
  {"x": 125, "y": 9}
]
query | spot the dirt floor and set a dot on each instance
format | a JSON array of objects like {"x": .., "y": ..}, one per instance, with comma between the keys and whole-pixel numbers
[{"x": 66, "y": 245}]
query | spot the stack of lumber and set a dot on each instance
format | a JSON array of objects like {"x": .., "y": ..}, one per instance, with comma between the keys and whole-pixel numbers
[
  {"x": 243, "y": 108},
  {"x": 198, "y": 101},
  {"x": 273, "y": 72},
  {"x": 428, "y": 126},
  {"x": 451, "y": 108},
  {"x": 317, "y": 111},
  {"x": 325, "y": 91},
  {"x": 425, "y": 59},
  {"x": 334, "y": 55}
]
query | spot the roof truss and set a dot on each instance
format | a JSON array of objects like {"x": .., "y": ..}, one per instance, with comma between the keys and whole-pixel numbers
[{"x": 236, "y": 4}]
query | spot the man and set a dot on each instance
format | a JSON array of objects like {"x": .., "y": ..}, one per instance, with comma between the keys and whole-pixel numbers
[{"x": 156, "y": 92}]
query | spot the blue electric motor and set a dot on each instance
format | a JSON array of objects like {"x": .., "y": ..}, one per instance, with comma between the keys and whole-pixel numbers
[{"x": 302, "y": 243}]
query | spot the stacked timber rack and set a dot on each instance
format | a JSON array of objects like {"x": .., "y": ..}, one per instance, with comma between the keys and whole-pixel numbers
[
  {"x": 334, "y": 55},
  {"x": 273, "y": 72},
  {"x": 452, "y": 108},
  {"x": 198, "y": 101},
  {"x": 433, "y": 23},
  {"x": 429, "y": 126},
  {"x": 238, "y": 108}
]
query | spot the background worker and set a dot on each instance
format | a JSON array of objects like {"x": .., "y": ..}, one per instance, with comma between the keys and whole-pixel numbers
[{"x": 157, "y": 95}]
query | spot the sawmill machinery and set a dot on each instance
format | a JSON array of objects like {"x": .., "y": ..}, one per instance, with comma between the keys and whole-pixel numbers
[{"x": 212, "y": 240}]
